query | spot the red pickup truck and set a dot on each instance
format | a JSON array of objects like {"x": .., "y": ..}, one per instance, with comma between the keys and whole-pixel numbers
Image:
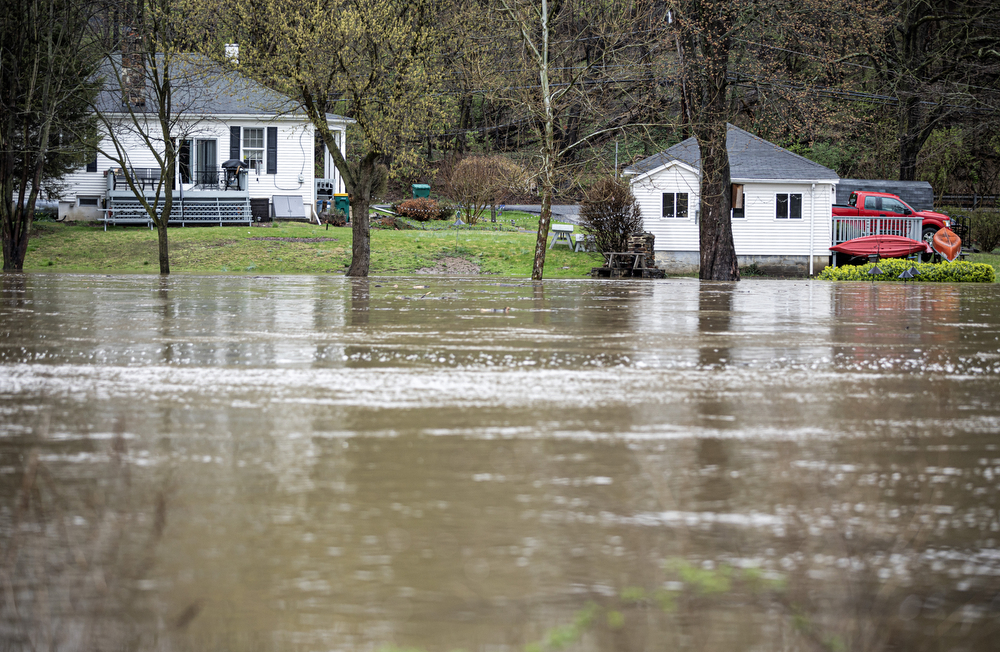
[{"x": 863, "y": 203}]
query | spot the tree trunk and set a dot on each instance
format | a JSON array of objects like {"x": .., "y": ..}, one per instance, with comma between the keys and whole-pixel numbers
[
  {"x": 548, "y": 147},
  {"x": 718, "y": 253},
  {"x": 16, "y": 227},
  {"x": 543, "y": 235},
  {"x": 709, "y": 45},
  {"x": 361, "y": 228},
  {"x": 910, "y": 141},
  {"x": 547, "y": 186},
  {"x": 161, "y": 238}
]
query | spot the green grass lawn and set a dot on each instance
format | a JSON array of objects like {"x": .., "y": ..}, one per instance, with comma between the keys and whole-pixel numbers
[{"x": 294, "y": 248}]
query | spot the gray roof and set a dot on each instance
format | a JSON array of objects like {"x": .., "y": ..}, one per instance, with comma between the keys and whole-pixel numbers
[
  {"x": 750, "y": 157},
  {"x": 203, "y": 87}
]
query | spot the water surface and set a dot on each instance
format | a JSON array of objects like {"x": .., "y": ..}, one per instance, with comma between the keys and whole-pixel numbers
[{"x": 308, "y": 463}]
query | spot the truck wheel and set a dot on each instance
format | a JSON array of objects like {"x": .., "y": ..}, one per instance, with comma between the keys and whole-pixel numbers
[{"x": 928, "y": 237}]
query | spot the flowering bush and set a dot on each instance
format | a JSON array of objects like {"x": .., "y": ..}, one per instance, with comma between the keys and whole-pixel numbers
[{"x": 959, "y": 271}]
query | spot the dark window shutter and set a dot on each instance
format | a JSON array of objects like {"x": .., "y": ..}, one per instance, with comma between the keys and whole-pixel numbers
[
  {"x": 92, "y": 165},
  {"x": 272, "y": 150},
  {"x": 234, "y": 142}
]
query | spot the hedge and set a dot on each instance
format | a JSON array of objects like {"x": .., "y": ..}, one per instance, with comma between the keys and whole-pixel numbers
[{"x": 959, "y": 271}]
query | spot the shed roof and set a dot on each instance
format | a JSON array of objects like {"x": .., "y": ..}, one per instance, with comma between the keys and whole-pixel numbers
[{"x": 750, "y": 157}]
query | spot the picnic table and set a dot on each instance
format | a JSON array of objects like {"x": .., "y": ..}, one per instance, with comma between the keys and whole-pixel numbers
[{"x": 561, "y": 233}]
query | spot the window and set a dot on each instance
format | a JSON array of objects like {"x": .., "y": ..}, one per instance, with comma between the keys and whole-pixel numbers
[
  {"x": 675, "y": 204},
  {"x": 88, "y": 201},
  {"x": 738, "y": 201},
  {"x": 891, "y": 205},
  {"x": 873, "y": 203},
  {"x": 788, "y": 206},
  {"x": 253, "y": 147}
]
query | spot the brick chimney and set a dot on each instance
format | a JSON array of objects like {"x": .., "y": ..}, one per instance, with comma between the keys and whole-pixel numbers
[{"x": 133, "y": 70}]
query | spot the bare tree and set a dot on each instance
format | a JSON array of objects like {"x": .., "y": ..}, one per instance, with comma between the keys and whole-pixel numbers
[
  {"x": 706, "y": 29},
  {"x": 46, "y": 67},
  {"x": 137, "y": 106},
  {"x": 481, "y": 182},
  {"x": 557, "y": 62}
]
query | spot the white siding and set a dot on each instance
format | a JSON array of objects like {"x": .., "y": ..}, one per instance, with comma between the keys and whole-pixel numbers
[
  {"x": 672, "y": 233},
  {"x": 296, "y": 141},
  {"x": 760, "y": 233}
]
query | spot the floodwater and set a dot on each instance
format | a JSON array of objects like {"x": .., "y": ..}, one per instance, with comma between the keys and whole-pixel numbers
[{"x": 306, "y": 463}]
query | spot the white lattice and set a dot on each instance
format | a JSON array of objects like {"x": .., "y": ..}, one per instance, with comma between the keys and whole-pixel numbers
[{"x": 195, "y": 211}]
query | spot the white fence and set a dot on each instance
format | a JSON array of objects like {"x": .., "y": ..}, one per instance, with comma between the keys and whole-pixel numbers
[{"x": 848, "y": 228}]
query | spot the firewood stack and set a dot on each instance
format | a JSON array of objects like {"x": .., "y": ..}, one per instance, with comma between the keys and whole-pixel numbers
[
  {"x": 643, "y": 242},
  {"x": 638, "y": 261}
]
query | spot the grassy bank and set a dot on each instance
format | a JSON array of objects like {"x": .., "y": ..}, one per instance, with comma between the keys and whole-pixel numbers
[{"x": 292, "y": 248}]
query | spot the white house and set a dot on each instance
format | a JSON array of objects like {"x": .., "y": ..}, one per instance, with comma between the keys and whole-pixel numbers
[
  {"x": 782, "y": 204},
  {"x": 220, "y": 115}
]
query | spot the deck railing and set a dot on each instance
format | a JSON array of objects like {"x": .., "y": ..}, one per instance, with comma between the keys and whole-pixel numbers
[
  {"x": 848, "y": 228},
  {"x": 144, "y": 178},
  {"x": 219, "y": 179},
  {"x": 148, "y": 179}
]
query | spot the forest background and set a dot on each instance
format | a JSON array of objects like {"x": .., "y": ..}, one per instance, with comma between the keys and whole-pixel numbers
[{"x": 569, "y": 91}]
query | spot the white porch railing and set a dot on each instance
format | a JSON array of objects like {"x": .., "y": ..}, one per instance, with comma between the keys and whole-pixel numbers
[{"x": 848, "y": 228}]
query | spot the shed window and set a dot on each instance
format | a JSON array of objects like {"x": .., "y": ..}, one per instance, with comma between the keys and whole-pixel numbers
[
  {"x": 738, "y": 201},
  {"x": 788, "y": 206},
  {"x": 675, "y": 204}
]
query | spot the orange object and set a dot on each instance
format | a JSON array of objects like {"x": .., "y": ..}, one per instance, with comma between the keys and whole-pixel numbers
[{"x": 947, "y": 243}]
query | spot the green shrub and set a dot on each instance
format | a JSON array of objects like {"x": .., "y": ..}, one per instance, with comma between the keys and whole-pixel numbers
[
  {"x": 985, "y": 229},
  {"x": 957, "y": 272},
  {"x": 984, "y": 226}
]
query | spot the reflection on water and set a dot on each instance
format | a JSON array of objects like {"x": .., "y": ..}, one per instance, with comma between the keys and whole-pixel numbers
[{"x": 309, "y": 463}]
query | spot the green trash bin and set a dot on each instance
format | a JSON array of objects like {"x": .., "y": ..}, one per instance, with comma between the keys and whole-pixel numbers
[
  {"x": 421, "y": 190},
  {"x": 341, "y": 202}
]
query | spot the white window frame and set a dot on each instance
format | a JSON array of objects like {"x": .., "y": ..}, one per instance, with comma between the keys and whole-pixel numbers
[
  {"x": 738, "y": 195},
  {"x": 676, "y": 204},
  {"x": 256, "y": 163},
  {"x": 788, "y": 205}
]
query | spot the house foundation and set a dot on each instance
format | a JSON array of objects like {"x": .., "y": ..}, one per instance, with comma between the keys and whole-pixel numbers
[{"x": 688, "y": 262}]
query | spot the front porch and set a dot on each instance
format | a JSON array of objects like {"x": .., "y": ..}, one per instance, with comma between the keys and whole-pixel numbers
[{"x": 218, "y": 196}]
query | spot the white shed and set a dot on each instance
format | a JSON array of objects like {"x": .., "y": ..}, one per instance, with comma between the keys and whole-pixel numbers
[{"x": 782, "y": 215}]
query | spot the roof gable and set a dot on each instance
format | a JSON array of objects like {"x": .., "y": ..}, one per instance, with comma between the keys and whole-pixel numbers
[{"x": 750, "y": 157}]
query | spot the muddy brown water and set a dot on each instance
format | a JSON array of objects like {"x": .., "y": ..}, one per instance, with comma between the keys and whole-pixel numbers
[{"x": 306, "y": 463}]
